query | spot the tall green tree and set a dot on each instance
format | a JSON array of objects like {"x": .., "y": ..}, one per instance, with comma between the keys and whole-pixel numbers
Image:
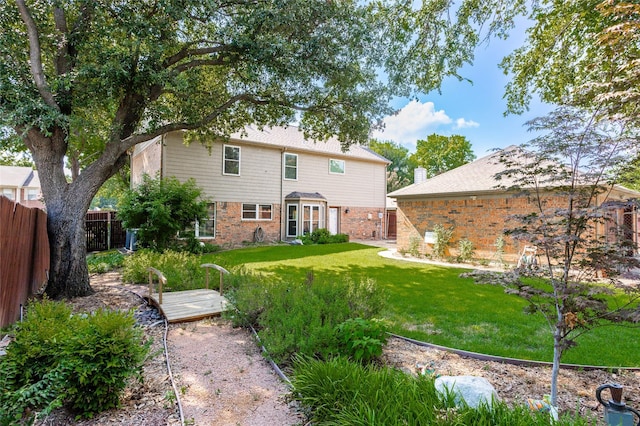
[
  {"x": 400, "y": 171},
  {"x": 581, "y": 53},
  {"x": 438, "y": 153},
  {"x": 91, "y": 79}
]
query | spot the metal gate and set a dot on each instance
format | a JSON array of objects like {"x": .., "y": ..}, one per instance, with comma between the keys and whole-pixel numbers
[{"x": 104, "y": 231}]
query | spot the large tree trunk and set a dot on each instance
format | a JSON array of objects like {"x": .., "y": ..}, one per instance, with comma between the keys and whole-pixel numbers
[{"x": 67, "y": 204}]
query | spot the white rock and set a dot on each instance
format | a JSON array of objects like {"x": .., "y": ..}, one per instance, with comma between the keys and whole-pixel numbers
[{"x": 473, "y": 390}]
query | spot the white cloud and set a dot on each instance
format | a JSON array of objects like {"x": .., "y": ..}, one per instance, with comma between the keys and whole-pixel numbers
[
  {"x": 461, "y": 123},
  {"x": 412, "y": 122}
]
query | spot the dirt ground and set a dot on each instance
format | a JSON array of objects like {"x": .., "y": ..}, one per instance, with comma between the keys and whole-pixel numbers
[{"x": 222, "y": 379}]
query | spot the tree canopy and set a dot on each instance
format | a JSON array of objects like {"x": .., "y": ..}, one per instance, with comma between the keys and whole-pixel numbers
[
  {"x": 400, "y": 171},
  {"x": 582, "y": 53},
  {"x": 438, "y": 153}
]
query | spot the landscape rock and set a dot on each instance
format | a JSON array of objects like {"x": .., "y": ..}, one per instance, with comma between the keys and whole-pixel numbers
[{"x": 470, "y": 389}]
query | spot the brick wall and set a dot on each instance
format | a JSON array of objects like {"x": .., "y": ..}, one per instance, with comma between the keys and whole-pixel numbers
[
  {"x": 481, "y": 220},
  {"x": 231, "y": 231},
  {"x": 362, "y": 223}
]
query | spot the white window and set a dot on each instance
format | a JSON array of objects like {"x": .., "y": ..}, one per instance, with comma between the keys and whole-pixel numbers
[
  {"x": 32, "y": 194},
  {"x": 336, "y": 166},
  {"x": 290, "y": 166},
  {"x": 231, "y": 160},
  {"x": 257, "y": 211},
  {"x": 207, "y": 228},
  {"x": 9, "y": 193},
  {"x": 312, "y": 217}
]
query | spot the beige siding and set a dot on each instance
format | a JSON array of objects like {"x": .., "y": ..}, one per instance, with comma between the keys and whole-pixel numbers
[
  {"x": 259, "y": 180},
  {"x": 362, "y": 185},
  {"x": 146, "y": 159}
]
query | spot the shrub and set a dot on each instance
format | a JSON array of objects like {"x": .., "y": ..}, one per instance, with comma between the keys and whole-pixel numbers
[
  {"x": 300, "y": 318},
  {"x": 81, "y": 361},
  {"x": 443, "y": 237},
  {"x": 181, "y": 269},
  {"x": 361, "y": 340},
  {"x": 160, "y": 209},
  {"x": 104, "y": 262},
  {"x": 341, "y": 392},
  {"x": 323, "y": 236},
  {"x": 466, "y": 250}
]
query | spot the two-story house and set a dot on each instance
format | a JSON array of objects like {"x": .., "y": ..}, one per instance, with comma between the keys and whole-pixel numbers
[
  {"x": 21, "y": 184},
  {"x": 274, "y": 184}
]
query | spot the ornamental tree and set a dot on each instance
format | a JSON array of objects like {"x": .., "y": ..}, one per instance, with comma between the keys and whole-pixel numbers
[
  {"x": 88, "y": 80},
  {"x": 568, "y": 174}
]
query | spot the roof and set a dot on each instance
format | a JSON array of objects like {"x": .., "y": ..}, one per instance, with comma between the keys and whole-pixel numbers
[
  {"x": 305, "y": 196},
  {"x": 19, "y": 177},
  {"x": 473, "y": 178},
  {"x": 292, "y": 137}
]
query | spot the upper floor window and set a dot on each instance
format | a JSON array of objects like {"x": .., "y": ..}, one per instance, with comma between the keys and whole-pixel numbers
[
  {"x": 257, "y": 211},
  {"x": 32, "y": 194},
  {"x": 336, "y": 166},
  {"x": 231, "y": 160},
  {"x": 9, "y": 193},
  {"x": 290, "y": 166}
]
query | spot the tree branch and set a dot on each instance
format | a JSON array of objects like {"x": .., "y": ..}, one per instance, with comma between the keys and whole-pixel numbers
[
  {"x": 186, "y": 52},
  {"x": 34, "y": 56}
]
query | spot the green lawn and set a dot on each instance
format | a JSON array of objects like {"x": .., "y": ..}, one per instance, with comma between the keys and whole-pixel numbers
[{"x": 433, "y": 304}]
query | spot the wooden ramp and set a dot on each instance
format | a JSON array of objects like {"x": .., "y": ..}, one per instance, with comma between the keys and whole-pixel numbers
[{"x": 190, "y": 305}]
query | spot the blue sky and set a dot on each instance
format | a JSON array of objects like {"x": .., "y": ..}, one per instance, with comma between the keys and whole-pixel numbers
[{"x": 475, "y": 111}]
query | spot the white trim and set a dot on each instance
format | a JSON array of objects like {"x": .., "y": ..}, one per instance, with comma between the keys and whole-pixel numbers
[
  {"x": 344, "y": 166},
  {"x": 284, "y": 165},
  {"x": 257, "y": 211},
  {"x": 224, "y": 159}
]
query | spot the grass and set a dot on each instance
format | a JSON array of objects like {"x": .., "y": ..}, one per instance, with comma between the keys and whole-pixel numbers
[{"x": 432, "y": 303}]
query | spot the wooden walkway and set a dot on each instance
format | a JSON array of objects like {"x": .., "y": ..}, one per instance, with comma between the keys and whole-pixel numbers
[{"x": 190, "y": 305}]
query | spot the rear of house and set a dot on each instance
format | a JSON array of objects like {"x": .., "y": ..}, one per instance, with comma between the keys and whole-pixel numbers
[
  {"x": 21, "y": 184},
  {"x": 466, "y": 199},
  {"x": 274, "y": 184}
]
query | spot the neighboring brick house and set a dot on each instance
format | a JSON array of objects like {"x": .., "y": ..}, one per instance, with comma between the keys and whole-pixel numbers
[
  {"x": 274, "y": 185},
  {"x": 466, "y": 199},
  {"x": 21, "y": 184}
]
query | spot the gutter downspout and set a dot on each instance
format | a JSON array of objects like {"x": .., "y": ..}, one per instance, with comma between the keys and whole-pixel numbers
[{"x": 282, "y": 206}]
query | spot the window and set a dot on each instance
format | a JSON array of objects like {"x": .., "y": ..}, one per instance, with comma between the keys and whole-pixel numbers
[
  {"x": 231, "y": 164},
  {"x": 291, "y": 166},
  {"x": 32, "y": 194},
  {"x": 336, "y": 166},
  {"x": 207, "y": 228},
  {"x": 9, "y": 193},
  {"x": 256, "y": 211}
]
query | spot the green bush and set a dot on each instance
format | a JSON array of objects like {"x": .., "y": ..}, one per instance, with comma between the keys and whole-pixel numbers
[
  {"x": 466, "y": 250},
  {"x": 443, "y": 237},
  {"x": 81, "y": 361},
  {"x": 160, "y": 209},
  {"x": 300, "y": 318},
  {"x": 181, "y": 269},
  {"x": 100, "y": 263},
  {"x": 323, "y": 236},
  {"x": 341, "y": 392},
  {"x": 361, "y": 340}
]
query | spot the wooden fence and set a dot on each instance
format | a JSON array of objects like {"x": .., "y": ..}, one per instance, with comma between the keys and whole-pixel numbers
[
  {"x": 24, "y": 257},
  {"x": 104, "y": 231}
]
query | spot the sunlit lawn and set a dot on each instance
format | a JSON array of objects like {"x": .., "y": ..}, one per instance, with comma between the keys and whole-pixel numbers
[{"x": 433, "y": 304}]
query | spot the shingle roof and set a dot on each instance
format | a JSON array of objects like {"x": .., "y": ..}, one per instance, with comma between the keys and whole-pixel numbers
[
  {"x": 474, "y": 177},
  {"x": 292, "y": 137},
  {"x": 17, "y": 177}
]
